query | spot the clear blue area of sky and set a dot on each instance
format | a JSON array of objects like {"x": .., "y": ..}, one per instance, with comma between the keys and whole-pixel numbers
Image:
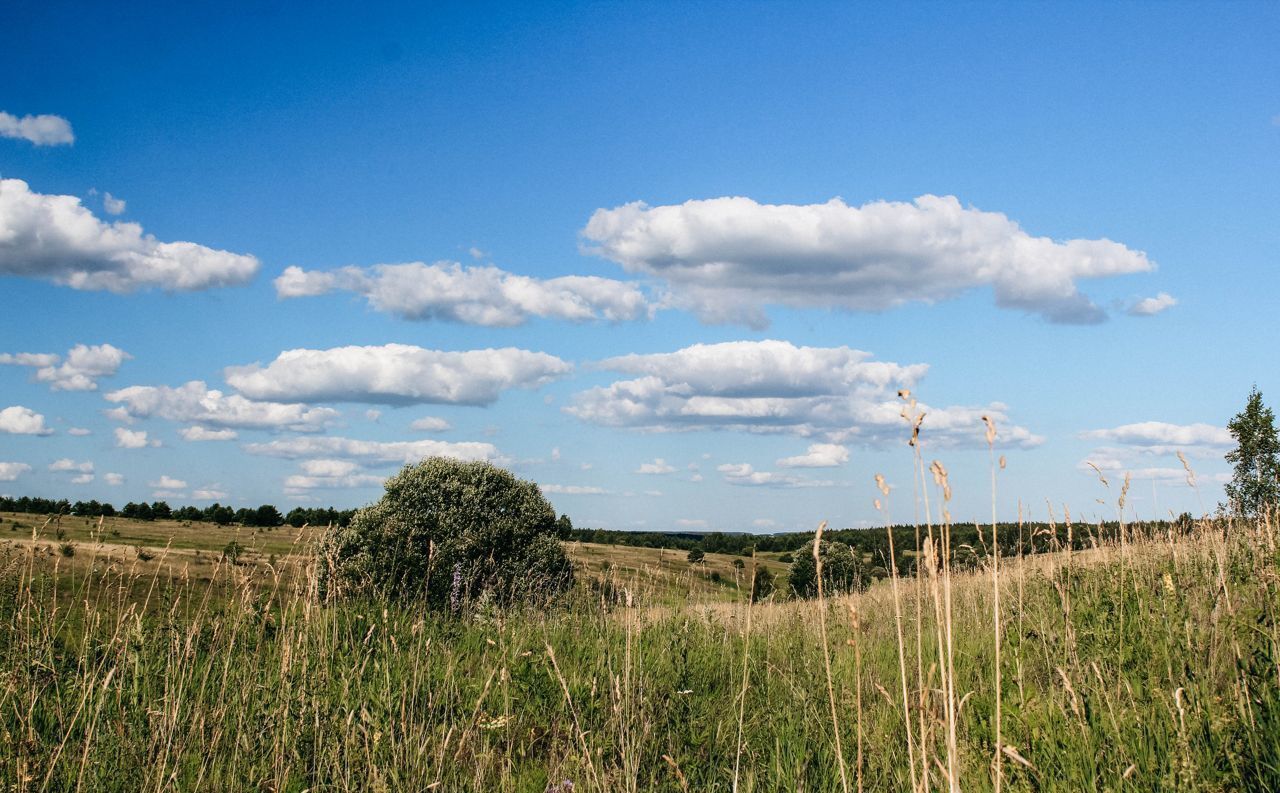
[{"x": 324, "y": 135}]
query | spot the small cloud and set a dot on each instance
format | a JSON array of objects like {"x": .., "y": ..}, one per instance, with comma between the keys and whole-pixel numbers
[
  {"x": 574, "y": 490},
  {"x": 82, "y": 479},
  {"x": 81, "y": 370},
  {"x": 67, "y": 464},
  {"x": 19, "y": 420},
  {"x": 587, "y": 466},
  {"x": 329, "y": 467},
  {"x": 112, "y": 205},
  {"x": 1150, "y": 306},
  {"x": 372, "y": 414},
  {"x": 764, "y": 523},
  {"x": 79, "y": 431},
  {"x": 209, "y": 494},
  {"x": 744, "y": 474},
  {"x": 691, "y": 523},
  {"x": 476, "y": 253},
  {"x": 431, "y": 424},
  {"x": 42, "y": 130},
  {"x": 819, "y": 455},
  {"x": 654, "y": 493},
  {"x": 555, "y": 454},
  {"x": 11, "y": 471},
  {"x": 131, "y": 439},
  {"x": 658, "y": 466},
  {"x": 168, "y": 483},
  {"x": 198, "y": 433},
  {"x": 113, "y": 479}
]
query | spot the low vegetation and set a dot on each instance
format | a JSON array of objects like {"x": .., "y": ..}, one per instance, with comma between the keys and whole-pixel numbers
[{"x": 1155, "y": 664}]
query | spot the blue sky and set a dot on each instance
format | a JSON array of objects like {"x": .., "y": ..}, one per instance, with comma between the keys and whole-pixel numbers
[{"x": 718, "y": 236}]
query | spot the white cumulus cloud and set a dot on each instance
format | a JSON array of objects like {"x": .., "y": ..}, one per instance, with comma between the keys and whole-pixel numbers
[
  {"x": 80, "y": 371},
  {"x": 11, "y": 471},
  {"x": 55, "y": 238},
  {"x": 658, "y": 466},
  {"x": 1150, "y": 306},
  {"x": 166, "y": 482},
  {"x": 728, "y": 258},
  {"x": 430, "y": 424},
  {"x": 374, "y": 451},
  {"x": 198, "y": 433},
  {"x": 113, "y": 479},
  {"x": 67, "y": 464},
  {"x": 82, "y": 479},
  {"x": 819, "y": 455},
  {"x": 112, "y": 205},
  {"x": 42, "y": 130},
  {"x": 776, "y": 387},
  {"x": 472, "y": 295},
  {"x": 133, "y": 439},
  {"x": 324, "y": 467},
  {"x": 1160, "y": 437},
  {"x": 19, "y": 420},
  {"x": 195, "y": 402},
  {"x": 745, "y": 474},
  {"x": 396, "y": 374}
]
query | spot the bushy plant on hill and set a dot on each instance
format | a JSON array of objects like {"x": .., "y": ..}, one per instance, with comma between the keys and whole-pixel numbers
[
  {"x": 842, "y": 571},
  {"x": 449, "y": 532}
]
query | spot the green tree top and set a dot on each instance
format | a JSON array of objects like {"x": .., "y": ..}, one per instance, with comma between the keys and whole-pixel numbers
[{"x": 1255, "y": 485}]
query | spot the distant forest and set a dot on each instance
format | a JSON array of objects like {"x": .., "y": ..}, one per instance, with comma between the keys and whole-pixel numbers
[
  {"x": 264, "y": 516},
  {"x": 970, "y": 543}
]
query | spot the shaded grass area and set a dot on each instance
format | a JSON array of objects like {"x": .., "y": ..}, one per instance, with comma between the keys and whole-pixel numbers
[{"x": 1155, "y": 666}]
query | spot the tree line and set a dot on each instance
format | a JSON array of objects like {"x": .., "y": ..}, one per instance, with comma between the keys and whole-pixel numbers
[
  {"x": 971, "y": 543},
  {"x": 264, "y": 516}
]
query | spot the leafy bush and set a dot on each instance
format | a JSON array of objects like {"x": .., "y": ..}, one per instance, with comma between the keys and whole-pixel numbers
[
  {"x": 449, "y": 532},
  {"x": 842, "y": 571},
  {"x": 696, "y": 556}
]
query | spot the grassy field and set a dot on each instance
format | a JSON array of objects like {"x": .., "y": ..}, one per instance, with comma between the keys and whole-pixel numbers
[
  {"x": 1149, "y": 666},
  {"x": 195, "y": 550}
]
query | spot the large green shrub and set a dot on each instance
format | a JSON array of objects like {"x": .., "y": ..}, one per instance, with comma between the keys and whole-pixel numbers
[
  {"x": 448, "y": 532},
  {"x": 842, "y": 571}
]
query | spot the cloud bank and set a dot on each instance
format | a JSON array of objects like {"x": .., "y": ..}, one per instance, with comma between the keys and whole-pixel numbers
[
  {"x": 835, "y": 393},
  {"x": 55, "y": 238},
  {"x": 728, "y": 258},
  {"x": 396, "y": 374},
  {"x": 472, "y": 295},
  {"x": 196, "y": 403}
]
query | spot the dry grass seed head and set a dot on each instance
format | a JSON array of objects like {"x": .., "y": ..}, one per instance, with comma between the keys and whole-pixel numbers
[{"x": 991, "y": 430}]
